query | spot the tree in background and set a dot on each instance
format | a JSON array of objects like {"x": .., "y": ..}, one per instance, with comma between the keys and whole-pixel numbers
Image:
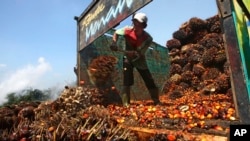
[{"x": 28, "y": 95}]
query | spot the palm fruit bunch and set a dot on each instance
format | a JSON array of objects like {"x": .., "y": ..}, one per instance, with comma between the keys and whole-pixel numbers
[{"x": 101, "y": 68}]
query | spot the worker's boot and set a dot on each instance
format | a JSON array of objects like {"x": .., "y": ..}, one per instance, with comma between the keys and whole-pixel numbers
[
  {"x": 125, "y": 95},
  {"x": 154, "y": 93}
]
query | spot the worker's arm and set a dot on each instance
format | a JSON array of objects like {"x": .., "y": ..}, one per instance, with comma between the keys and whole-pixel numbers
[
  {"x": 145, "y": 45},
  {"x": 115, "y": 37},
  {"x": 113, "y": 45},
  {"x": 118, "y": 32}
]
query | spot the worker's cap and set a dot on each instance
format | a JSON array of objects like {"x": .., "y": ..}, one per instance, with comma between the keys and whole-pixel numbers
[{"x": 141, "y": 17}]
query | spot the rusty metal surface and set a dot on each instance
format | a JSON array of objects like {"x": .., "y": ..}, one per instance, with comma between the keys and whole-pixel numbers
[
  {"x": 146, "y": 133},
  {"x": 237, "y": 77}
]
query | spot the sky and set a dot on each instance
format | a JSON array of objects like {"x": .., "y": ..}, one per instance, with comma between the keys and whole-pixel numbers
[{"x": 38, "y": 37}]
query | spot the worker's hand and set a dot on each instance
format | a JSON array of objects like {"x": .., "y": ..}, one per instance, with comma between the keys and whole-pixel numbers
[
  {"x": 114, "y": 46},
  {"x": 132, "y": 54}
]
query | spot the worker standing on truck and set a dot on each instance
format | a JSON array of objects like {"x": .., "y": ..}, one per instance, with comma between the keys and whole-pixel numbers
[{"x": 137, "y": 41}]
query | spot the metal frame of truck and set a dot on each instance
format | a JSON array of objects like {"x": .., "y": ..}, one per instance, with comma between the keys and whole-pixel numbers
[
  {"x": 236, "y": 51},
  {"x": 239, "y": 80}
]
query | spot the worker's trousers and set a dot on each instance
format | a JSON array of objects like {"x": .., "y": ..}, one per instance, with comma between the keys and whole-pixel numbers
[{"x": 128, "y": 81}]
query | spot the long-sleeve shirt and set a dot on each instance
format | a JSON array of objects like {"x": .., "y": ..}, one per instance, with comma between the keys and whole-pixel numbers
[{"x": 139, "y": 44}]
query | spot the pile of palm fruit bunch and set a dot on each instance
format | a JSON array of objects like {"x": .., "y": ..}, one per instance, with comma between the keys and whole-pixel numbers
[
  {"x": 197, "y": 97},
  {"x": 75, "y": 115},
  {"x": 196, "y": 100},
  {"x": 198, "y": 58}
]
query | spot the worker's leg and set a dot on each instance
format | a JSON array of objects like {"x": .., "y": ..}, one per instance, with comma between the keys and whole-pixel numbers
[
  {"x": 128, "y": 80},
  {"x": 125, "y": 95},
  {"x": 150, "y": 84},
  {"x": 154, "y": 92}
]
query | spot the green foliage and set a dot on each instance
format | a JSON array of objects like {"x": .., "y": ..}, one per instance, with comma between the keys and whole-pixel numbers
[{"x": 28, "y": 95}]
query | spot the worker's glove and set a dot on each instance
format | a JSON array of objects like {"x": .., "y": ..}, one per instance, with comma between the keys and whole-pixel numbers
[{"x": 114, "y": 46}]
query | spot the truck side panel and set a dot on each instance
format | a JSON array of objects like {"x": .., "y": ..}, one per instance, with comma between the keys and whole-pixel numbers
[{"x": 232, "y": 47}]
